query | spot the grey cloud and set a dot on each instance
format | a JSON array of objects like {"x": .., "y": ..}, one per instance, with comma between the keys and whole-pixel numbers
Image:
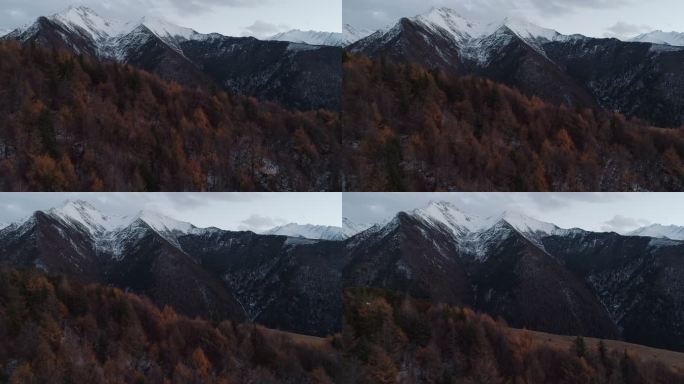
[
  {"x": 205, "y": 5},
  {"x": 622, "y": 224},
  {"x": 556, "y": 7},
  {"x": 259, "y": 223},
  {"x": 262, "y": 29},
  {"x": 622, "y": 30}
]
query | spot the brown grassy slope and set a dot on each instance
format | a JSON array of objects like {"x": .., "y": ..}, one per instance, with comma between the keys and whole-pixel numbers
[{"x": 645, "y": 354}]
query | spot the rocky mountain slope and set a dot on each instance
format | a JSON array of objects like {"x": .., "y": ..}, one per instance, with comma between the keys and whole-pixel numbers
[
  {"x": 638, "y": 79},
  {"x": 530, "y": 273},
  {"x": 300, "y": 76}
]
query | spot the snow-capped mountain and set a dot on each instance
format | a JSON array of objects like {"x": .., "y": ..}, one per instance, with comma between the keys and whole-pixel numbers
[
  {"x": 672, "y": 232},
  {"x": 503, "y": 263},
  {"x": 661, "y": 37},
  {"x": 351, "y": 228},
  {"x": 309, "y": 231},
  {"x": 460, "y": 224},
  {"x": 4, "y": 31},
  {"x": 268, "y": 70},
  {"x": 530, "y": 273},
  {"x": 321, "y": 232},
  {"x": 95, "y": 223},
  {"x": 334, "y": 39},
  {"x": 352, "y": 34},
  {"x": 574, "y": 70}
]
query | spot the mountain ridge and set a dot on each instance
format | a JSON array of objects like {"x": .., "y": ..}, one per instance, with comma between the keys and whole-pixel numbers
[
  {"x": 572, "y": 70},
  {"x": 288, "y": 73},
  {"x": 530, "y": 273}
]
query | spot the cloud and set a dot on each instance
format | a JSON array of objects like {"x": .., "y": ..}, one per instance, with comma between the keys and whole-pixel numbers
[
  {"x": 558, "y": 7},
  {"x": 622, "y": 30},
  {"x": 259, "y": 223},
  {"x": 622, "y": 224},
  {"x": 262, "y": 29}
]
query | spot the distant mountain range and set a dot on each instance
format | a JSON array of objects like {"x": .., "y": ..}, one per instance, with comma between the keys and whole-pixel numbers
[
  {"x": 320, "y": 232},
  {"x": 532, "y": 274},
  {"x": 661, "y": 37},
  {"x": 300, "y": 76},
  {"x": 672, "y": 232},
  {"x": 643, "y": 80}
]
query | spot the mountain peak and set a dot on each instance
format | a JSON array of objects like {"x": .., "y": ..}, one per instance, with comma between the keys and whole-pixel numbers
[
  {"x": 448, "y": 215},
  {"x": 166, "y": 29},
  {"x": 85, "y": 20},
  {"x": 449, "y": 21},
  {"x": 524, "y": 28},
  {"x": 162, "y": 223},
  {"x": 85, "y": 215},
  {"x": 526, "y": 224}
]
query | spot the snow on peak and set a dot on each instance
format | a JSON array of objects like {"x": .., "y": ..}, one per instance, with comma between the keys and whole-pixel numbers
[
  {"x": 86, "y": 20},
  {"x": 163, "y": 224},
  {"x": 352, "y": 228},
  {"x": 672, "y": 232},
  {"x": 447, "y": 20},
  {"x": 525, "y": 29},
  {"x": 661, "y": 37},
  {"x": 335, "y": 39},
  {"x": 5, "y": 31},
  {"x": 86, "y": 216},
  {"x": 525, "y": 224},
  {"x": 352, "y": 34},
  {"x": 449, "y": 216},
  {"x": 165, "y": 29},
  {"x": 461, "y": 223},
  {"x": 309, "y": 231}
]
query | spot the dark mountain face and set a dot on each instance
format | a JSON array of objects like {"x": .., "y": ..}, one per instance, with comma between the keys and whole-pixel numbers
[
  {"x": 298, "y": 76},
  {"x": 637, "y": 79},
  {"x": 142, "y": 261},
  {"x": 638, "y": 279},
  {"x": 561, "y": 281},
  {"x": 406, "y": 256},
  {"x": 48, "y": 244},
  {"x": 282, "y": 282},
  {"x": 516, "y": 280}
]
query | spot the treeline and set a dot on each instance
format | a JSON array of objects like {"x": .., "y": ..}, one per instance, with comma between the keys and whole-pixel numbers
[
  {"x": 54, "y": 330},
  {"x": 57, "y": 331},
  {"x": 408, "y": 128},
  {"x": 74, "y": 123},
  {"x": 395, "y": 339}
]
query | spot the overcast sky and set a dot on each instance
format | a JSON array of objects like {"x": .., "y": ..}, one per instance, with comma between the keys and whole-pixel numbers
[
  {"x": 598, "y": 18},
  {"x": 231, "y": 211},
  {"x": 260, "y": 18},
  {"x": 619, "y": 212}
]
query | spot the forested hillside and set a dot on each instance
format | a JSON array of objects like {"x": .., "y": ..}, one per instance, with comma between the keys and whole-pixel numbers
[
  {"x": 408, "y": 128},
  {"x": 74, "y": 123},
  {"x": 56, "y": 330}
]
